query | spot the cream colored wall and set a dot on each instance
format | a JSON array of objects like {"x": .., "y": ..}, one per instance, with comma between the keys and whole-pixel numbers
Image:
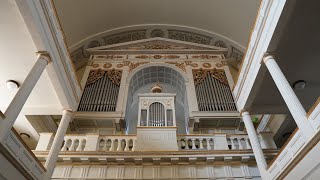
[{"x": 17, "y": 57}]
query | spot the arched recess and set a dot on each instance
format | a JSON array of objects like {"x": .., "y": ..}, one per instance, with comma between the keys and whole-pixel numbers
[{"x": 172, "y": 81}]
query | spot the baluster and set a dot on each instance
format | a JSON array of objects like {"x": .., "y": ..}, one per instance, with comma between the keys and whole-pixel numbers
[
  {"x": 187, "y": 143},
  {"x": 127, "y": 145},
  {"x": 193, "y": 143},
  {"x": 104, "y": 148},
  {"x": 233, "y": 146},
  {"x": 119, "y": 145},
  {"x": 73, "y": 143},
  {"x": 64, "y": 148},
  {"x": 240, "y": 145},
  {"x": 208, "y": 144},
  {"x": 112, "y": 145},
  {"x": 247, "y": 143},
  {"x": 133, "y": 145},
  {"x": 179, "y": 144},
  {"x": 200, "y": 144},
  {"x": 79, "y": 148}
]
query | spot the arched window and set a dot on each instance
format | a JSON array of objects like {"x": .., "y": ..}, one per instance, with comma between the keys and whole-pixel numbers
[{"x": 156, "y": 114}]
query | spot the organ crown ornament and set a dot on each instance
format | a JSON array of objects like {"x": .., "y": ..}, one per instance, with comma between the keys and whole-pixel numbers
[{"x": 156, "y": 88}]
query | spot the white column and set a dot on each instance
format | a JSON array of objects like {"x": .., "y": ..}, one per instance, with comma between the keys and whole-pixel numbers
[
  {"x": 257, "y": 151},
  {"x": 57, "y": 142},
  {"x": 13, "y": 110},
  {"x": 295, "y": 107}
]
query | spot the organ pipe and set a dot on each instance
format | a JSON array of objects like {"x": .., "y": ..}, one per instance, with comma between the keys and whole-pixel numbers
[
  {"x": 212, "y": 90},
  {"x": 101, "y": 91}
]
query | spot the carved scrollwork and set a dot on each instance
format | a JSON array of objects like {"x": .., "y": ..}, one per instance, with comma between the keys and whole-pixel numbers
[
  {"x": 132, "y": 66},
  {"x": 200, "y": 74},
  {"x": 115, "y": 76},
  {"x": 179, "y": 65},
  {"x": 206, "y": 65},
  {"x": 92, "y": 64},
  {"x": 204, "y": 56},
  {"x": 94, "y": 75},
  {"x": 107, "y": 65}
]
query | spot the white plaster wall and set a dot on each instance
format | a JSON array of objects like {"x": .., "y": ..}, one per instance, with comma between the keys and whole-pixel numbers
[{"x": 224, "y": 171}]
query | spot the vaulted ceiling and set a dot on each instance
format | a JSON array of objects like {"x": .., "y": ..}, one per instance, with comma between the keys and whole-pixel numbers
[
  {"x": 223, "y": 23},
  {"x": 83, "y": 18}
]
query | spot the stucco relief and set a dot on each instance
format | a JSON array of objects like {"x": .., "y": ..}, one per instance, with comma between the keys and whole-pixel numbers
[{"x": 79, "y": 54}]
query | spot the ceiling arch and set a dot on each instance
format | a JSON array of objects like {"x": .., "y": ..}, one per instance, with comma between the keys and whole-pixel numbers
[
  {"x": 139, "y": 32},
  {"x": 227, "y": 20}
]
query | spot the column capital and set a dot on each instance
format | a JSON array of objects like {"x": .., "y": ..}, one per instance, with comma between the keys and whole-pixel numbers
[
  {"x": 69, "y": 112},
  {"x": 244, "y": 112},
  {"x": 267, "y": 57},
  {"x": 44, "y": 55}
]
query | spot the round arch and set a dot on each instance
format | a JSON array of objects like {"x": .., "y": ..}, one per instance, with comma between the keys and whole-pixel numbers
[
  {"x": 182, "y": 73},
  {"x": 171, "y": 78}
]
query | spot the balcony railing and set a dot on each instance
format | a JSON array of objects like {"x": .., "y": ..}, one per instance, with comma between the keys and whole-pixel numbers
[
  {"x": 98, "y": 143},
  {"x": 95, "y": 142}
]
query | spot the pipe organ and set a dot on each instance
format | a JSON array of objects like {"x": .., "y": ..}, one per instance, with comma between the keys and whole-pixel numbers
[
  {"x": 101, "y": 91},
  {"x": 156, "y": 109},
  {"x": 212, "y": 90}
]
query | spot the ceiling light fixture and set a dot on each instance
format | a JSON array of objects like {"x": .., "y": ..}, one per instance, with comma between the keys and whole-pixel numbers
[
  {"x": 24, "y": 135},
  {"x": 12, "y": 84},
  {"x": 300, "y": 84}
]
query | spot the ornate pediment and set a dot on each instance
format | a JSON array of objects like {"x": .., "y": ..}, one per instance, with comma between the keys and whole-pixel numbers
[{"x": 157, "y": 45}]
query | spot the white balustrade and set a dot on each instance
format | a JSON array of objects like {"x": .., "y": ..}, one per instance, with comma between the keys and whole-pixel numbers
[
  {"x": 211, "y": 142},
  {"x": 238, "y": 141},
  {"x": 117, "y": 143},
  {"x": 74, "y": 143},
  {"x": 195, "y": 142}
]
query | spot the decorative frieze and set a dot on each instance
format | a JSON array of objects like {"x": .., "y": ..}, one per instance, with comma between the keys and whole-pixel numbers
[
  {"x": 237, "y": 54},
  {"x": 206, "y": 65},
  {"x": 125, "y": 37},
  {"x": 189, "y": 37},
  {"x": 157, "y": 56},
  {"x": 109, "y": 57},
  {"x": 204, "y": 56}
]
